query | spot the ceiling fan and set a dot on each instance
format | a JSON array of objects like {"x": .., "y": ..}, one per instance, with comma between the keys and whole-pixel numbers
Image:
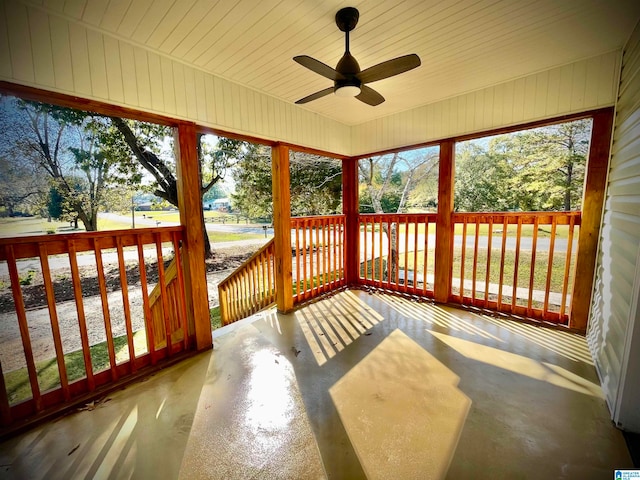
[{"x": 348, "y": 79}]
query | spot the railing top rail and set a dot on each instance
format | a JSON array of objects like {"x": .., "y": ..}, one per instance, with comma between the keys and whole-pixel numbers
[
  {"x": 318, "y": 217},
  {"x": 265, "y": 247},
  {"x": 561, "y": 218},
  {"x": 431, "y": 215},
  {"x": 26, "y": 247}
]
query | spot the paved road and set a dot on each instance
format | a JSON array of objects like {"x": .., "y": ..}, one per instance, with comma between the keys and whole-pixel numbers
[{"x": 57, "y": 262}]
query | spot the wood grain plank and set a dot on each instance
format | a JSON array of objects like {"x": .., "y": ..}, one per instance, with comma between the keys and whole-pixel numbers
[
  {"x": 148, "y": 320},
  {"x": 53, "y": 316},
  {"x": 106, "y": 315},
  {"x": 124, "y": 288},
  {"x": 82, "y": 321},
  {"x": 23, "y": 326}
]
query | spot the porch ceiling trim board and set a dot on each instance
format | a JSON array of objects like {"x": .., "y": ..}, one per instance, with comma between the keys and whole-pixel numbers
[
  {"x": 110, "y": 68},
  {"x": 102, "y": 69}
]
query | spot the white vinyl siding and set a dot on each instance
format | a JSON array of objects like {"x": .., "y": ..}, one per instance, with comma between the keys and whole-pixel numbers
[{"x": 614, "y": 345}]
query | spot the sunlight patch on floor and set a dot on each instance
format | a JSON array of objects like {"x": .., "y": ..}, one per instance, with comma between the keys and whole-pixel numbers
[
  {"x": 436, "y": 316},
  {"x": 329, "y": 327},
  {"x": 521, "y": 365},
  {"x": 402, "y": 410}
]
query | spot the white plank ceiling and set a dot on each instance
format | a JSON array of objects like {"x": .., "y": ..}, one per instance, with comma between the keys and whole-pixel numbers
[{"x": 465, "y": 45}]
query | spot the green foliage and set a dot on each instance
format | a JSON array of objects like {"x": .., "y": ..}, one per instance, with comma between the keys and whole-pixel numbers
[
  {"x": 316, "y": 183},
  {"x": 539, "y": 169},
  {"x": 397, "y": 182},
  {"x": 55, "y": 204},
  {"x": 27, "y": 278}
]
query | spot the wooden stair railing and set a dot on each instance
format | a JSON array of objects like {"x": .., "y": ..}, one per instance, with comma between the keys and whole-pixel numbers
[
  {"x": 167, "y": 310},
  {"x": 250, "y": 288}
]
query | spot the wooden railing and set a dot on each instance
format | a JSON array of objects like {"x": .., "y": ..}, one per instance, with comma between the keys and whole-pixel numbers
[
  {"x": 131, "y": 340},
  {"x": 397, "y": 252},
  {"x": 250, "y": 288},
  {"x": 318, "y": 255},
  {"x": 528, "y": 269}
]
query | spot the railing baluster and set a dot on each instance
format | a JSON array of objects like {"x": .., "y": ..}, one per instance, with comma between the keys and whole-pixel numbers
[
  {"x": 180, "y": 294},
  {"x": 415, "y": 255},
  {"x": 475, "y": 261},
  {"x": 106, "y": 315},
  {"x": 505, "y": 226},
  {"x": 317, "y": 281},
  {"x": 426, "y": 255},
  {"x": 77, "y": 291},
  {"x": 325, "y": 268},
  {"x": 148, "y": 320},
  {"x": 124, "y": 288},
  {"x": 307, "y": 256},
  {"x": 463, "y": 257},
  {"x": 53, "y": 316},
  {"x": 163, "y": 294},
  {"x": 335, "y": 252},
  {"x": 299, "y": 275},
  {"x": 515, "y": 266},
  {"x": 18, "y": 301},
  {"x": 488, "y": 273},
  {"x": 534, "y": 244},
  {"x": 567, "y": 266},
  {"x": 381, "y": 251},
  {"x": 406, "y": 252},
  {"x": 547, "y": 288}
]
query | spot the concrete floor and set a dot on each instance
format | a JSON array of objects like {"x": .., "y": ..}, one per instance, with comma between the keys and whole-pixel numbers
[{"x": 354, "y": 386}]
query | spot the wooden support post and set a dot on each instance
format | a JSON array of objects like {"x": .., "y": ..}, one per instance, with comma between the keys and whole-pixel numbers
[
  {"x": 595, "y": 183},
  {"x": 352, "y": 228},
  {"x": 190, "y": 205},
  {"x": 444, "y": 224},
  {"x": 282, "y": 226}
]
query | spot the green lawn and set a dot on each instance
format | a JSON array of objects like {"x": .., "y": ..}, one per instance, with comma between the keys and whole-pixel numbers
[
  {"x": 524, "y": 267},
  {"x": 17, "y": 227},
  {"x": 562, "y": 231},
  {"x": 17, "y": 381}
]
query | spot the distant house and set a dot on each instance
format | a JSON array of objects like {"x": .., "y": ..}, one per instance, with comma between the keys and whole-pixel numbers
[{"x": 221, "y": 204}]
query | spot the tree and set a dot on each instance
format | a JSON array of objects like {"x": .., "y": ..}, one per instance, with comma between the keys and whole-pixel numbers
[
  {"x": 21, "y": 188},
  {"x": 70, "y": 147},
  {"x": 482, "y": 179},
  {"x": 389, "y": 181},
  {"x": 146, "y": 142},
  {"x": 315, "y": 183},
  {"x": 538, "y": 169}
]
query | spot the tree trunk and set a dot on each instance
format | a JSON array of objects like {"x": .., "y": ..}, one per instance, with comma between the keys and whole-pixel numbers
[
  {"x": 567, "y": 192},
  {"x": 207, "y": 244}
]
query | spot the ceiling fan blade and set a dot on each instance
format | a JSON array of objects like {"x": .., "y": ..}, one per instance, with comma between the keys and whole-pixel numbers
[
  {"x": 315, "y": 96},
  {"x": 369, "y": 96},
  {"x": 389, "y": 68},
  {"x": 318, "y": 67}
]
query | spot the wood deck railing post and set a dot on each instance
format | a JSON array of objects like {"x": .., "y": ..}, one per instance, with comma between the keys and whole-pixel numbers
[
  {"x": 352, "y": 227},
  {"x": 444, "y": 224},
  {"x": 282, "y": 226},
  {"x": 190, "y": 205},
  {"x": 595, "y": 183}
]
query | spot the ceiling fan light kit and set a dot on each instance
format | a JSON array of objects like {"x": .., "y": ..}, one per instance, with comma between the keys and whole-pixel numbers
[{"x": 348, "y": 79}]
